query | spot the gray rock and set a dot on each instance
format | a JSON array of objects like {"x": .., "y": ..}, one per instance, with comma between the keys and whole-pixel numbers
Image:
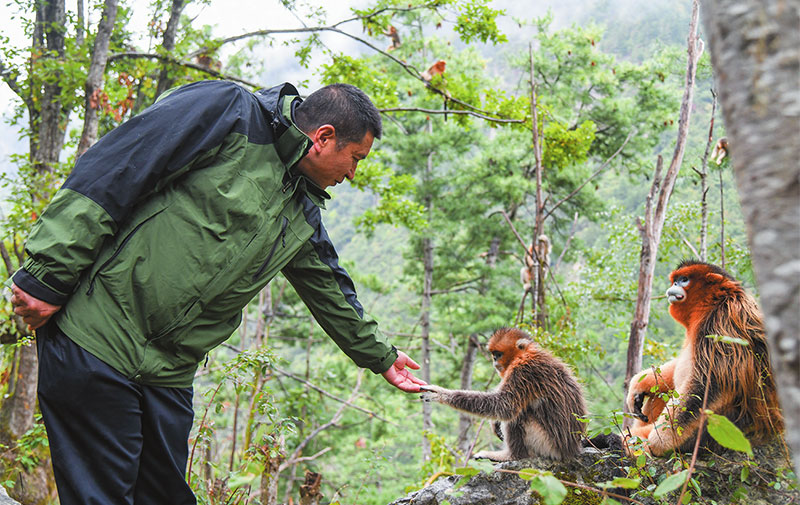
[
  {"x": 719, "y": 477},
  {"x": 4, "y": 498}
]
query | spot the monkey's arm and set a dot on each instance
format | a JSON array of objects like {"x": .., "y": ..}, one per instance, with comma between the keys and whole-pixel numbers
[
  {"x": 644, "y": 382},
  {"x": 502, "y": 404}
]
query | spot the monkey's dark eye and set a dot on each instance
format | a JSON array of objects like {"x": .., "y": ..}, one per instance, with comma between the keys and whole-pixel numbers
[
  {"x": 682, "y": 281},
  {"x": 496, "y": 355}
]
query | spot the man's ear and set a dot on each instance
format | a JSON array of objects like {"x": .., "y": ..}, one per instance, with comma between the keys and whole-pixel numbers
[{"x": 323, "y": 136}]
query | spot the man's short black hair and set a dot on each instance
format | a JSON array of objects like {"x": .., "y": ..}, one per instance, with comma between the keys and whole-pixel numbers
[{"x": 343, "y": 106}]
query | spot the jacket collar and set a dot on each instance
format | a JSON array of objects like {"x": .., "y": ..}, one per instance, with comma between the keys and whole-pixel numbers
[{"x": 291, "y": 143}]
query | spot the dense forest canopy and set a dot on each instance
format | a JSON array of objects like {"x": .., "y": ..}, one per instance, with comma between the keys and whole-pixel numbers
[{"x": 541, "y": 119}]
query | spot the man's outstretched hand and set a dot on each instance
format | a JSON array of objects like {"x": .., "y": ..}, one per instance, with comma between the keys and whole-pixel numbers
[
  {"x": 34, "y": 312},
  {"x": 400, "y": 377}
]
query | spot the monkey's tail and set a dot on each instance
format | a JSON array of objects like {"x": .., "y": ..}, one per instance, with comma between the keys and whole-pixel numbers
[{"x": 611, "y": 443}]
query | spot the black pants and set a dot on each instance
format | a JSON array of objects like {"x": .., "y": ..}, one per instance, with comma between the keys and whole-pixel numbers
[{"x": 112, "y": 441}]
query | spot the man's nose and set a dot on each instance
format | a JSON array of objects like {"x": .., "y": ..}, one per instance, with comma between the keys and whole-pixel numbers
[{"x": 351, "y": 174}]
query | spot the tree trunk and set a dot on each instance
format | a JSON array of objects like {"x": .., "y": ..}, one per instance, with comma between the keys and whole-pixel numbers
[
  {"x": 537, "y": 295},
  {"x": 425, "y": 324},
  {"x": 16, "y": 414},
  {"x": 704, "y": 182},
  {"x": 94, "y": 80},
  {"x": 164, "y": 80},
  {"x": 654, "y": 220},
  {"x": 465, "y": 420},
  {"x": 755, "y": 52},
  {"x": 51, "y": 121}
]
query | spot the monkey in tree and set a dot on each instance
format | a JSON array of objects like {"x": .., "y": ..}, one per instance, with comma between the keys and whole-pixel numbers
[
  {"x": 708, "y": 302},
  {"x": 391, "y": 32},
  {"x": 538, "y": 402},
  {"x": 435, "y": 69},
  {"x": 720, "y": 150},
  {"x": 540, "y": 250}
]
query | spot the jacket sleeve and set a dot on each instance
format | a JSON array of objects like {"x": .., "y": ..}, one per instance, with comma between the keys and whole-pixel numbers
[
  {"x": 328, "y": 292},
  {"x": 135, "y": 159}
]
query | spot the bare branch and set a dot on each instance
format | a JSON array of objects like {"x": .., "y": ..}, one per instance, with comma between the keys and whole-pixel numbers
[
  {"x": 566, "y": 245},
  {"x": 175, "y": 61},
  {"x": 452, "y": 111},
  {"x": 6, "y": 258},
  {"x": 689, "y": 244},
  {"x": 302, "y": 459},
  {"x": 10, "y": 79},
  {"x": 587, "y": 181},
  {"x": 334, "y": 397},
  {"x": 411, "y": 69},
  {"x": 334, "y": 420}
]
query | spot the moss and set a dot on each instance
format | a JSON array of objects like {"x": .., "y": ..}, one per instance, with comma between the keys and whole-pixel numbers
[{"x": 581, "y": 497}]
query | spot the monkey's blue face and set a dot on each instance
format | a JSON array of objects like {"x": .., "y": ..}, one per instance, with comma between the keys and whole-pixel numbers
[{"x": 676, "y": 292}]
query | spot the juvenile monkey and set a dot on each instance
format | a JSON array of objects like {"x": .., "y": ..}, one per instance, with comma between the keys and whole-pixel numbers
[{"x": 536, "y": 402}]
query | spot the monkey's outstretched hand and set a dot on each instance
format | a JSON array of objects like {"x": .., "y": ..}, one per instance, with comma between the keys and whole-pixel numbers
[
  {"x": 431, "y": 393},
  {"x": 400, "y": 377}
]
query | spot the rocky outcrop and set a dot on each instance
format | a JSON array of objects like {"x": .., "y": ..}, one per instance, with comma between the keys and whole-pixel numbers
[
  {"x": 5, "y": 499},
  {"x": 725, "y": 478}
]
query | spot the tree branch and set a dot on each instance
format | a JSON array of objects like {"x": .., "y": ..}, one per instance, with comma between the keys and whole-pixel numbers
[
  {"x": 329, "y": 395},
  {"x": 587, "y": 181},
  {"x": 334, "y": 420},
  {"x": 411, "y": 69},
  {"x": 552, "y": 277},
  {"x": 451, "y": 111},
  {"x": 175, "y": 61},
  {"x": 11, "y": 80}
]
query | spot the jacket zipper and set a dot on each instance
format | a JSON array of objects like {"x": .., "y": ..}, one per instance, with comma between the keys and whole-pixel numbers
[
  {"x": 282, "y": 239},
  {"x": 117, "y": 252}
]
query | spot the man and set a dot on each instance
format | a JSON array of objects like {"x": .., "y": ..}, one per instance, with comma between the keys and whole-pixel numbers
[{"x": 144, "y": 259}]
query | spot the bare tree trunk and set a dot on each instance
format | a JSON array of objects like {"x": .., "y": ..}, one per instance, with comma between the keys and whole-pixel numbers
[
  {"x": 721, "y": 221},
  {"x": 755, "y": 51},
  {"x": 51, "y": 122},
  {"x": 81, "y": 25},
  {"x": 465, "y": 420},
  {"x": 94, "y": 80},
  {"x": 425, "y": 324},
  {"x": 654, "y": 220},
  {"x": 704, "y": 187},
  {"x": 16, "y": 414},
  {"x": 164, "y": 80},
  {"x": 270, "y": 475},
  {"x": 537, "y": 298}
]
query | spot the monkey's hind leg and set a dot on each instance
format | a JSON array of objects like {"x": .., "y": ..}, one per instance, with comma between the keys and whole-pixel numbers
[{"x": 501, "y": 455}]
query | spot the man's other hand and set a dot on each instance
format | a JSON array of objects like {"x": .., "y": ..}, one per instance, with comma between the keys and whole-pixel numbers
[
  {"x": 34, "y": 312},
  {"x": 400, "y": 377}
]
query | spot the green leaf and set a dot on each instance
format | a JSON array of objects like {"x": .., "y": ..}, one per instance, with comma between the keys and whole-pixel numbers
[
  {"x": 550, "y": 489},
  {"x": 626, "y": 483},
  {"x": 727, "y": 434},
  {"x": 529, "y": 473},
  {"x": 728, "y": 340},
  {"x": 671, "y": 483},
  {"x": 745, "y": 473}
]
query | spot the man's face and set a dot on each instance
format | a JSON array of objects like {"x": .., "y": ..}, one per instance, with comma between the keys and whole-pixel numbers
[{"x": 326, "y": 164}]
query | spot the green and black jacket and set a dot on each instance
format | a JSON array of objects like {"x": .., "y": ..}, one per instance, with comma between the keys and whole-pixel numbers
[{"x": 172, "y": 222}]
